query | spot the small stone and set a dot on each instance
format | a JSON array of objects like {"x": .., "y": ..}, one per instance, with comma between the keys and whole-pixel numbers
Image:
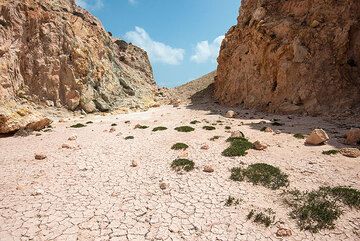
[
  {"x": 353, "y": 136},
  {"x": 72, "y": 138},
  {"x": 38, "y": 192},
  {"x": 163, "y": 185},
  {"x": 317, "y": 137},
  {"x": 40, "y": 156},
  {"x": 259, "y": 146},
  {"x": 135, "y": 163},
  {"x": 112, "y": 129},
  {"x": 277, "y": 132},
  {"x": 350, "y": 152},
  {"x": 230, "y": 114},
  {"x": 268, "y": 130},
  {"x": 237, "y": 134},
  {"x": 62, "y": 120},
  {"x": 66, "y": 146},
  {"x": 283, "y": 232},
  {"x": 208, "y": 169},
  {"x": 205, "y": 147},
  {"x": 314, "y": 24}
]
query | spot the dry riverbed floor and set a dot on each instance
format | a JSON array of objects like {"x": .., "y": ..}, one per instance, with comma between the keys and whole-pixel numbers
[{"x": 111, "y": 181}]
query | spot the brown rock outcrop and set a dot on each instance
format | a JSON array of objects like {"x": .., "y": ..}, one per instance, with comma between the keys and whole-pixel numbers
[
  {"x": 56, "y": 51},
  {"x": 292, "y": 56}
]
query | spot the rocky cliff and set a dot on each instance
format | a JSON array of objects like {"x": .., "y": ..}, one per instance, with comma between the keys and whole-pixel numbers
[
  {"x": 56, "y": 52},
  {"x": 292, "y": 56}
]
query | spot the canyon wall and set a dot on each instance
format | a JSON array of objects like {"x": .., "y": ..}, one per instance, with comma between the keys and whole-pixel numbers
[
  {"x": 294, "y": 56},
  {"x": 57, "y": 53}
]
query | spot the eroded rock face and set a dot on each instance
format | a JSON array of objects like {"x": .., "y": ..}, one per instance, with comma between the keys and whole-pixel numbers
[
  {"x": 56, "y": 51},
  {"x": 292, "y": 56}
]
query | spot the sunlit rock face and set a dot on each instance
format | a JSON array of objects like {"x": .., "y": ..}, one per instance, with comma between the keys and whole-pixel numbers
[
  {"x": 56, "y": 52},
  {"x": 295, "y": 56}
]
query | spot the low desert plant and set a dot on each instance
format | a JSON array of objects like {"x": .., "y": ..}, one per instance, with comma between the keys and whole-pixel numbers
[
  {"x": 184, "y": 129},
  {"x": 129, "y": 138},
  {"x": 231, "y": 201},
  {"x": 78, "y": 125},
  {"x": 299, "y": 136},
  {"x": 159, "y": 128},
  {"x": 261, "y": 174},
  {"x": 266, "y": 218},
  {"x": 238, "y": 147},
  {"x": 182, "y": 164},
  {"x": 314, "y": 210},
  {"x": 194, "y": 122},
  {"x": 209, "y": 128},
  {"x": 227, "y": 127},
  {"x": 330, "y": 152},
  {"x": 113, "y": 124},
  {"x": 179, "y": 146},
  {"x": 141, "y": 127},
  {"x": 214, "y": 138}
]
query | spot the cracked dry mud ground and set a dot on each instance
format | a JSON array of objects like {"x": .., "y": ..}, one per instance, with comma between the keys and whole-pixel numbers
[{"x": 92, "y": 192}]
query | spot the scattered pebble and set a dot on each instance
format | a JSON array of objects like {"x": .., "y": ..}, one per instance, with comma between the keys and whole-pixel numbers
[
  {"x": 259, "y": 146},
  {"x": 350, "y": 152},
  {"x": 205, "y": 147},
  {"x": 283, "y": 232},
  {"x": 40, "y": 156},
  {"x": 135, "y": 163},
  {"x": 208, "y": 168},
  {"x": 72, "y": 138}
]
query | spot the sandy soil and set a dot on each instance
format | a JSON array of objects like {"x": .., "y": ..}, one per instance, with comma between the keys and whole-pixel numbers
[{"x": 91, "y": 191}]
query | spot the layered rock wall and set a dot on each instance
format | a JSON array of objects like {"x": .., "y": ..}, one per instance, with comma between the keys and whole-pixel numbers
[
  {"x": 56, "y": 52},
  {"x": 292, "y": 56}
]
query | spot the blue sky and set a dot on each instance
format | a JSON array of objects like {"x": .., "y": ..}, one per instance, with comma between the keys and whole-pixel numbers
[{"x": 182, "y": 37}]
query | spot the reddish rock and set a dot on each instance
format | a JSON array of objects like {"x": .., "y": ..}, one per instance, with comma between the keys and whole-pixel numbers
[
  {"x": 353, "y": 136},
  {"x": 57, "y": 52},
  {"x": 292, "y": 57}
]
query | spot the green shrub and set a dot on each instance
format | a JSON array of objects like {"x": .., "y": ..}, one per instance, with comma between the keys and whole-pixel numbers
[
  {"x": 330, "y": 152},
  {"x": 194, "y": 122},
  {"x": 231, "y": 201},
  {"x": 159, "y": 128},
  {"x": 227, "y": 127},
  {"x": 182, "y": 164},
  {"x": 141, "y": 127},
  {"x": 299, "y": 136},
  {"x": 129, "y": 138},
  {"x": 78, "y": 125},
  {"x": 209, "y": 128},
  {"x": 184, "y": 129},
  {"x": 214, "y": 138},
  {"x": 179, "y": 146},
  {"x": 314, "y": 210},
  {"x": 238, "y": 147},
  {"x": 261, "y": 174},
  {"x": 266, "y": 218},
  {"x": 114, "y": 124}
]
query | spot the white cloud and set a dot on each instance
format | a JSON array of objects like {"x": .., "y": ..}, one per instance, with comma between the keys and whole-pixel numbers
[
  {"x": 158, "y": 52},
  {"x": 90, "y": 4},
  {"x": 206, "y": 51}
]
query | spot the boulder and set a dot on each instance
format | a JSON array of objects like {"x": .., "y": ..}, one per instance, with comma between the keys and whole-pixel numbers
[
  {"x": 230, "y": 114},
  {"x": 317, "y": 137},
  {"x": 350, "y": 152},
  {"x": 14, "y": 118},
  {"x": 237, "y": 134},
  {"x": 259, "y": 146},
  {"x": 353, "y": 136}
]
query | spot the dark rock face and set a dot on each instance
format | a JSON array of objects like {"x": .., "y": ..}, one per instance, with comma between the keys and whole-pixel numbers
[
  {"x": 295, "y": 56},
  {"x": 56, "y": 51}
]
